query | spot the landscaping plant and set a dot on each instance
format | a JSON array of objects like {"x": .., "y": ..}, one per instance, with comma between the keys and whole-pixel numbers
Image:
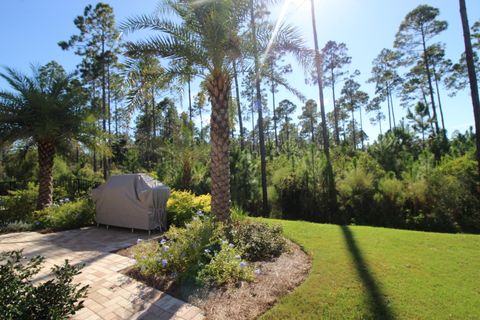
[{"x": 58, "y": 298}]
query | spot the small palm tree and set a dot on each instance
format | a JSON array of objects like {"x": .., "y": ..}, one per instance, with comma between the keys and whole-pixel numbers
[
  {"x": 204, "y": 33},
  {"x": 46, "y": 109}
]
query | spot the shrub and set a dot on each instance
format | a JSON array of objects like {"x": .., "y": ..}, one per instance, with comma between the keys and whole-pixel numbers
[
  {"x": 182, "y": 206},
  {"x": 390, "y": 200},
  {"x": 68, "y": 215},
  {"x": 226, "y": 267},
  {"x": 238, "y": 213},
  {"x": 17, "y": 226},
  {"x": 183, "y": 250},
  {"x": 18, "y": 205},
  {"x": 20, "y": 299},
  {"x": 356, "y": 192},
  {"x": 258, "y": 240}
]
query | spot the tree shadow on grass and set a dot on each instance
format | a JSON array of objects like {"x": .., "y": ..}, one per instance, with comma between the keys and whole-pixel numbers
[{"x": 379, "y": 307}]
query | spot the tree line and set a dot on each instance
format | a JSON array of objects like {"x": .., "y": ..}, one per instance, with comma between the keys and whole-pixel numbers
[{"x": 229, "y": 47}]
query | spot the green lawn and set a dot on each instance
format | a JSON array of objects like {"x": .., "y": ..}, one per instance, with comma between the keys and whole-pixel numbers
[{"x": 378, "y": 273}]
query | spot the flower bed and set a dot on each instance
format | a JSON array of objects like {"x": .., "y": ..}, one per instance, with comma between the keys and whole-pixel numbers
[{"x": 211, "y": 266}]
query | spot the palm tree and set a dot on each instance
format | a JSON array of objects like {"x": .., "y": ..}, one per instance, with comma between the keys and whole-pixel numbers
[
  {"x": 46, "y": 109},
  {"x": 204, "y": 33}
]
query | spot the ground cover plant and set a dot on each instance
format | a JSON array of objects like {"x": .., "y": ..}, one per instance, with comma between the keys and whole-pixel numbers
[{"x": 378, "y": 273}]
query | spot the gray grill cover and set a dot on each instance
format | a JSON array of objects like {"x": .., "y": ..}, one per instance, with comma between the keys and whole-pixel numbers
[{"x": 132, "y": 201}]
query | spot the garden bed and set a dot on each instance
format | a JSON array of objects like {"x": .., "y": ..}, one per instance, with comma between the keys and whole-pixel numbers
[{"x": 244, "y": 300}]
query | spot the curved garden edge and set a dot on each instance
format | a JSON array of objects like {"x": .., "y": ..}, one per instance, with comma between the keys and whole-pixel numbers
[{"x": 243, "y": 301}]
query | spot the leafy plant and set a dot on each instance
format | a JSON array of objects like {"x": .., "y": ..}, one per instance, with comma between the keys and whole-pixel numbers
[
  {"x": 183, "y": 205},
  {"x": 57, "y": 298},
  {"x": 258, "y": 241},
  {"x": 18, "y": 205},
  {"x": 226, "y": 267},
  {"x": 67, "y": 215},
  {"x": 182, "y": 252}
]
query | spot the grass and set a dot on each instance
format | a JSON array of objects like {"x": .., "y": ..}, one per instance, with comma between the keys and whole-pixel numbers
[{"x": 377, "y": 273}]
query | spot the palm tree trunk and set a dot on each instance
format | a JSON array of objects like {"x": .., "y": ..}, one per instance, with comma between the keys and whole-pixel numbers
[
  {"x": 218, "y": 86},
  {"x": 46, "y": 153},
  {"x": 472, "y": 76}
]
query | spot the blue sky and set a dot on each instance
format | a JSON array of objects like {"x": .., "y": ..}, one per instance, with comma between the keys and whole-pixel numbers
[{"x": 30, "y": 30}]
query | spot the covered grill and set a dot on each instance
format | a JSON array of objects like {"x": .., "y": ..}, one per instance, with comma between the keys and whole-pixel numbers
[{"x": 132, "y": 201}]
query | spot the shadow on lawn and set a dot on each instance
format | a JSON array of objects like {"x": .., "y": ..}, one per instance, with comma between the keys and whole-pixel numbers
[{"x": 379, "y": 307}]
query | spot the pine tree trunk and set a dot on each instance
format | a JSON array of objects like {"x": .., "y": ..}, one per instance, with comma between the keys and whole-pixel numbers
[
  {"x": 353, "y": 130},
  {"x": 104, "y": 109},
  {"x": 389, "y": 112},
  {"x": 329, "y": 175},
  {"x": 361, "y": 129},
  {"x": 274, "y": 116},
  {"x": 261, "y": 134},
  {"x": 430, "y": 86},
  {"x": 154, "y": 114},
  {"x": 218, "y": 86},
  {"x": 438, "y": 98},
  {"x": 335, "y": 111},
  {"x": 239, "y": 106},
  {"x": 46, "y": 153},
  {"x": 472, "y": 76},
  {"x": 190, "y": 115},
  {"x": 391, "y": 106}
]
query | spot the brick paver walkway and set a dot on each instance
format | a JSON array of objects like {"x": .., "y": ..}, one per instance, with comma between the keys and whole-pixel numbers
[{"x": 111, "y": 295}]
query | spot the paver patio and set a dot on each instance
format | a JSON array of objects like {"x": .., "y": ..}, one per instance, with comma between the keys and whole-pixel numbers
[{"x": 111, "y": 295}]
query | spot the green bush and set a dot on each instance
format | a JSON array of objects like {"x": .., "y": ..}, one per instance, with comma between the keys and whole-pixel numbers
[
  {"x": 238, "y": 213},
  {"x": 226, "y": 267},
  {"x": 17, "y": 226},
  {"x": 21, "y": 299},
  {"x": 183, "y": 205},
  {"x": 258, "y": 241},
  {"x": 389, "y": 201},
  {"x": 355, "y": 192},
  {"x": 68, "y": 215},
  {"x": 18, "y": 205}
]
